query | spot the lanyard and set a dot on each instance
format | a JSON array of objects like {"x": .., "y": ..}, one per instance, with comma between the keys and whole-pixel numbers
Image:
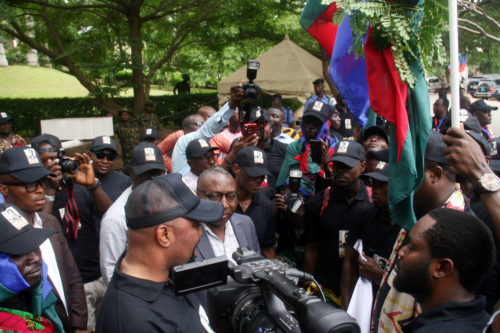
[
  {"x": 438, "y": 126},
  {"x": 486, "y": 131}
]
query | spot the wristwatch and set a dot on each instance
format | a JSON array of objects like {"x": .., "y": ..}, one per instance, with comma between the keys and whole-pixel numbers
[{"x": 488, "y": 183}]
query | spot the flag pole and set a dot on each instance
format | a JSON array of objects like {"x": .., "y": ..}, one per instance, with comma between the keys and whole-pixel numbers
[{"x": 454, "y": 77}]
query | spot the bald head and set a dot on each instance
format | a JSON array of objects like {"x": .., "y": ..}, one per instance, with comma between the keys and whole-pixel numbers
[
  {"x": 206, "y": 111},
  {"x": 213, "y": 173},
  {"x": 192, "y": 123}
]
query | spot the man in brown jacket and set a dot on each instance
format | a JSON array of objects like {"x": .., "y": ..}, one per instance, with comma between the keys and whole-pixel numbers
[{"x": 22, "y": 181}]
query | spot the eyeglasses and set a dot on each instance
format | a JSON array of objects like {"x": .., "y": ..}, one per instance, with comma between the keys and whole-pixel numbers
[
  {"x": 217, "y": 196},
  {"x": 109, "y": 156},
  {"x": 31, "y": 187}
]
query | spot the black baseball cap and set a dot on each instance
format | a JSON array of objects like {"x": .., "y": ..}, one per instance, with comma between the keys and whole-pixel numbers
[
  {"x": 350, "y": 153},
  {"x": 24, "y": 164},
  {"x": 198, "y": 148},
  {"x": 481, "y": 141},
  {"x": 381, "y": 172},
  {"x": 150, "y": 133},
  {"x": 146, "y": 156},
  {"x": 434, "y": 148},
  {"x": 103, "y": 142},
  {"x": 17, "y": 235},
  {"x": 480, "y": 105},
  {"x": 318, "y": 81},
  {"x": 166, "y": 198},
  {"x": 46, "y": 138},
  {"x": 257, "y": 114},
  {"x": 253, "y": 161},
  {"x": 495, "y": 154},
  {"x": 318, "y": 110},
  {"x": 4, "y": 118},
  {"x": 373, "y": 130}
]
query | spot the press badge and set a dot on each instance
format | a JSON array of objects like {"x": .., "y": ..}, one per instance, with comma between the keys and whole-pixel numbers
[{"x": 342, "y": 239}]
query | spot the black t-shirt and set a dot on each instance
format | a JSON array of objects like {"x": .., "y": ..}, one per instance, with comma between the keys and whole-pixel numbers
[
  {"x": 376, "y": 232},
  {"x": 262, "y": 213},
  {"x": 275, "y": 156},
  {"x": 85, "y": 248},
  {"x": 329, "y": 231},
  {"x": 137, "y": 305}
]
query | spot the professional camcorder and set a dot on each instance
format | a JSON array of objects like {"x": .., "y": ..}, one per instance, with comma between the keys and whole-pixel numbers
[
  {"x": 263, "y": 296},
  {"x": 67, "y": 164},
  {"x": 295, "y": 199}
]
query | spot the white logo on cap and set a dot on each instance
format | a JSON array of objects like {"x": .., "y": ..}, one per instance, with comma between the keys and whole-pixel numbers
[
  {"x": 258, "y": 157},
  {"x": 493, "y": 147},
  {"x": 348, "y": 124},
  {"x": 203, "y": 143},
  {"x": 148, "y": 131},
  {"x": 464, "y": 115},
  {"x": 343, "y": 145},
  {"x": 106, "y": 140},
  {"x": 380, "y": 165},
  {"x": 3, "y": 114},
  {"x": 17, "y": 220},
  {"x": 149, "y": 154},
  {"x": 317, "y": 106},
  {"x": 31, "y": 156}
]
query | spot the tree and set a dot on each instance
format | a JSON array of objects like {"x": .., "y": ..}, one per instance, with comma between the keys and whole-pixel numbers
[{"x": 95, "y": 39}]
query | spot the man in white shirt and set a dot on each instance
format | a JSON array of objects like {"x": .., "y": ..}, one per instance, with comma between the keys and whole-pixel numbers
[
  {"x": 200, "y": 156},
  {"x": 146, "y": 162}
]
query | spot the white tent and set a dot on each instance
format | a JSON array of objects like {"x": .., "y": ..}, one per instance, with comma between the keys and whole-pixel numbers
[{"x": 285, "y": 69}]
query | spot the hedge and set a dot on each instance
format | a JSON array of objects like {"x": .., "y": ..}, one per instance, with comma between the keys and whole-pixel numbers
[{"x": 171, "y": 109}]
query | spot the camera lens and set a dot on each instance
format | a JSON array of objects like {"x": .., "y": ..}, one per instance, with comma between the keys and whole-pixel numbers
[{"x": 68, "y": 166}]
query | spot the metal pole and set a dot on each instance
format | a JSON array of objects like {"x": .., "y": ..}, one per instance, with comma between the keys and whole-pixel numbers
[{"x": 454, "y": 77}]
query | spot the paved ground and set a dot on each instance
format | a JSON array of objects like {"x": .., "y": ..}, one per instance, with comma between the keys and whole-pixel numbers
[{"x": 495, "y": 123}]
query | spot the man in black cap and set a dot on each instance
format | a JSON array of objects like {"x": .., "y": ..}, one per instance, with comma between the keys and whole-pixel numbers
[
  {"x": 378, "y": 233},
  {"x": 319, "y": 86},
  {"x": 81, "y": 206},
  {"x": 127, "y": 132},
  {"x": 22, "y": 304},
  {"x": 250, "y": 169},
  {"x": 7, "y": 138},
  {"x": 374, "y": 139},
  {"x": 150, "y": 135},
  {"x": 22, "y": 182},
  {"x": 200, "y": 156},
  {"x": 146, "y": 163},
  {"x": 482, "y": 111},
  {"x": 329, "y": 215},
  {"x": 163, "y": 217}
]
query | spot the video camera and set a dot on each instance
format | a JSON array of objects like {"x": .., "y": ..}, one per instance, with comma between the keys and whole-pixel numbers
[
  {"x": 263, "y": 296},
  {"x": 67, "y": 164},
  {"x": 295, "y": 199}
]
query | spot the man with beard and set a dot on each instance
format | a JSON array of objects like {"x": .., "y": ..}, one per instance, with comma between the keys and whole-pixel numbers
[
  {"x": 250, "y": 169},
  {"x": 163, "y": 220},
  {"x": 329, "y": 215},
  {"x": 377, "y": 232},
  {"x": 7, "y": 138},
  {"x": 447, "y": 254},
  {"x": 234, "y": 230}
]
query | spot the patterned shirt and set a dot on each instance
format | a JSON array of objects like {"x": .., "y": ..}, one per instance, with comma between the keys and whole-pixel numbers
[
  {"x": 167, "y": 146},
  {"x": 12, "y": 140}
]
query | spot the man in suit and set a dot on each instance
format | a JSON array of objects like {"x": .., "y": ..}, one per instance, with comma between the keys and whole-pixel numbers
[
  {"x": 22, "y": 182},
  {"x": 233, "y": 230}
]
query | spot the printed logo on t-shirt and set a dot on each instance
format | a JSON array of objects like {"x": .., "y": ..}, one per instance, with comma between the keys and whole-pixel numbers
[
  {"x": 258, "y": 157},
  {"x": 203, "y": 143},
  {"x": 14, "y": 218},
  {"x": 317, "y": 106},
  {"x": 149, "y": 154},
  {"x": 3, "y": 114},
  {"x": 31, "y": 156},
  {"x": 343, "y": 145},
  {"x": 348, "y": 124},
  {"x": 149, "y": 131},
  {"x": 494, "y": 148},
  {"x": 106, "y": 140}
]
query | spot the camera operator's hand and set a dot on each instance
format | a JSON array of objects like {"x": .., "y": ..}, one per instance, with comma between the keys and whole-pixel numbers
[
  {"x": 279, "y": 202},
  {"x": 85, "y": 175},
  {"x": 369, "y": 270},
  {"x": 237, "y": 95},
  {"x": 54, "y": 182}
]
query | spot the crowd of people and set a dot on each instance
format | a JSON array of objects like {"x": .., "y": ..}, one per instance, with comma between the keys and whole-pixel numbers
[{"x": 85, "y": 247}]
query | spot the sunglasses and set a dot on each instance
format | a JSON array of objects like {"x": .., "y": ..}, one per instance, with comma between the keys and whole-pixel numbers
[
  {"x": 109, "y": 156},
  {"x": 31, "y": 187},
  {"x": 217, "y": 196}
]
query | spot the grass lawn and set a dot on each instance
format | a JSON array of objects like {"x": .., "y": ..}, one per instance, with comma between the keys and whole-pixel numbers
[{"x": 39, "y": 82}]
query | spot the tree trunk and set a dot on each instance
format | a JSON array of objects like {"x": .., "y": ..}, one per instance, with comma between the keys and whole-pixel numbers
[
  {"x": 134, "y": 21},
  {"x": 325, "y": 61}
]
